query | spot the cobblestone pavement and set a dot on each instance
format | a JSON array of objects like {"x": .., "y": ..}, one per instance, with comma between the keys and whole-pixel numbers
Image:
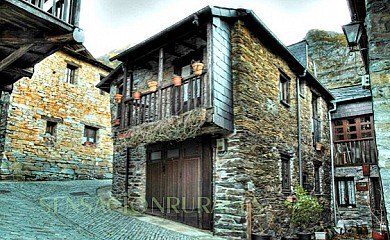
[{"x": 69, "y": 210}]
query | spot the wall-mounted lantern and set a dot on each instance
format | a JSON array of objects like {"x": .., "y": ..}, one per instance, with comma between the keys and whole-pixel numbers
[{"x": 353, "y": 32}]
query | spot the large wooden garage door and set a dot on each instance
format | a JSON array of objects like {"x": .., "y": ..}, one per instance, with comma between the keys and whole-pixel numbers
[{"x": 179, "y": 182}]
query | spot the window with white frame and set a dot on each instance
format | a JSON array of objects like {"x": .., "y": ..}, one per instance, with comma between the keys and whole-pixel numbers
[
  {"x": 345, "y": 188},
  {"x": 70, "y": 74}
]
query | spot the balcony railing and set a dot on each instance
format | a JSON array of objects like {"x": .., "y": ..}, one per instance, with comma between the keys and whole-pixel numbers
[
  {"x": 355, "y": 152},
  {"x": 65, "y": 10},
  {"x": 167, "y": 101}
]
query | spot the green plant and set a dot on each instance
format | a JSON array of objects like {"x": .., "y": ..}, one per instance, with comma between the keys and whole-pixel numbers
[{"x": 306, "y": 210}]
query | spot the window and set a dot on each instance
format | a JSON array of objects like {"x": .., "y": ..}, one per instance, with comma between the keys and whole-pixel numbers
[
  {"x": 284, "y": 88},
  {"x": 316, "y": 121},
  {"x": 70, "y": 75},
  {"x": 286, "y": 182},
  {"x": 51, "y": 127},
  {"x": 353, "y": 128},
  {"x": 345, "y": 192},
  {"x": 317, "y": 180},
  {"x": 90, "y": 136}
]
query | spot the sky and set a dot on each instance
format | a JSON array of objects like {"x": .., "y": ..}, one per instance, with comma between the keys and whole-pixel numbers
[{"x": 113, "y": 24}]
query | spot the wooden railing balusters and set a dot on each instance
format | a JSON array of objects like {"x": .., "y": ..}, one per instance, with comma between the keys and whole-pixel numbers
[
  {"x": 355, "y": 152},
  {"x": 168, "y": 101}
]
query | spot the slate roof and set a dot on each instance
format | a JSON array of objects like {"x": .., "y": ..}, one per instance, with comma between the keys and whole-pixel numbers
[
  {"x": 299, "y": 50},
  {"x": 350, "y": 93}
]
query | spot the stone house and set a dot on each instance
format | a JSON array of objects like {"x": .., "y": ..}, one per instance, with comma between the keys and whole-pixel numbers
[
  {"x": 31, "y": 31},
  {"x": 58, "y": 125},
  {"x": 357, "y": 193},
  {"x": 374, "y": 45},
  {"x": 223, "y": 149}
]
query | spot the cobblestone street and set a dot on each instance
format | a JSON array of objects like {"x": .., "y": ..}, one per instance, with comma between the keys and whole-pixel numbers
[{"x": 71, "y": 210}]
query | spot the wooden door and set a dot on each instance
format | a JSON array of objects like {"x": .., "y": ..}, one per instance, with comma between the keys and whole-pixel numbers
[{"x": 180, "y": 180}]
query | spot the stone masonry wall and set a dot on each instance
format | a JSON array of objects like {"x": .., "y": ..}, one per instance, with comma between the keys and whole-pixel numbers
[
  {"x": 136, "y": 177},
  {"x": 264, "y": 129},
  {"x": 378, "y": 32},
  {"x": 32, "y": 155},
  {"x": 4, "y": 103}
]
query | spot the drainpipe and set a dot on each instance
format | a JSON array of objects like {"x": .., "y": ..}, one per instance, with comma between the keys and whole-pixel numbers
[
  {"x": 332, "y": 159},
  {"x": 126, "y": 200},
  {"x": 299, "y": 127}
]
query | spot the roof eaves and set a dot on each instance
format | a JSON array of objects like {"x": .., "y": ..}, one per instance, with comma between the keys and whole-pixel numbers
[
  {"x": 190, "y": 18},
  {"x": 109, "y": 78}
]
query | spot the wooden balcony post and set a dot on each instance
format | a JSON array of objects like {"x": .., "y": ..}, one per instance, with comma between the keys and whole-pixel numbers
[
  {"x": 74, "y": 18},
  {"x": 123, "y": 113},
  {"x": 54, "y": 8},
  {"x": 160, "y": 79}
]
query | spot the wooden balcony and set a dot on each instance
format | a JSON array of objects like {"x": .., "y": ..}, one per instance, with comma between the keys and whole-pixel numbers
[
  {"x": 355, "y": 152},
  {"x": 167, "y": 101},
  {"x": 65, "y": 10},
  {"x": 31, "y": 31}
]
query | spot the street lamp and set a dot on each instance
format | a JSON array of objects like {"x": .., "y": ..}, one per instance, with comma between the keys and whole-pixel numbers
[{"x": 353, "y": 32}]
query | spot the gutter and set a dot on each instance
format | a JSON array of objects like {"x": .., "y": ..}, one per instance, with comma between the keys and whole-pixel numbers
[
  {"x": 298, "y": 93},
  {"x": 332, "y": 159}
]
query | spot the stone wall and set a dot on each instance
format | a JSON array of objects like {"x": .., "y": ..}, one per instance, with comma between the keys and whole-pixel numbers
[
  {"x": 378, "y": 32},
  {"x": 265, "y": 129},
  {"x": 134, "y": 199},
  {"x": 32, "y": 155},
  {"x": 4, "y": 103}
]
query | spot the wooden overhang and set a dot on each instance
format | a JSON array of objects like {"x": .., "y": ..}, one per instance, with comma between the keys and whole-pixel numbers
[
  {"x": 29, "y": 34},
  {"x": 190, "y": 25}
]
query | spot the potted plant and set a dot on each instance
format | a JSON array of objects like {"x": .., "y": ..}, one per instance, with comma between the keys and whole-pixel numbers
[
  {"x": 197, "y": 67},
  {"x": 176, "y": 80},
  {"x": 118, "y": 97},
  {"x": 136, "y": 94},
  {"x": 305, "y": 212},
  {"x": 152, "y": 85}
]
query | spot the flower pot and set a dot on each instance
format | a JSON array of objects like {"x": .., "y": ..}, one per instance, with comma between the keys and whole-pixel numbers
[
  {"x": 366, "y": 170},
  {"x": 116, "y": 122},
  {"x": 379, "y": 235},
  {"x": 118, "y": 97},
  {"x": 320, "y": 235},
  {"x": 176, "y": 80},
  {"x": 256, "y": 236},
  {"x": 136, "y": 95},
  {"x": 289, "y": 238},
  {"x": 152, "y": 85},
  {"x": 197, "y": 68},
  {"x": 304, "y": 236}
]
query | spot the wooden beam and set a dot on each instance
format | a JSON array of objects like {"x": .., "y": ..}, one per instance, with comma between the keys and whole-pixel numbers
[
  {"x": 187, "y": 45},
  {"x": 20, "y": 72},
  {"x": 15, "y": 56},
  {"x": 16, "y": 40}
]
